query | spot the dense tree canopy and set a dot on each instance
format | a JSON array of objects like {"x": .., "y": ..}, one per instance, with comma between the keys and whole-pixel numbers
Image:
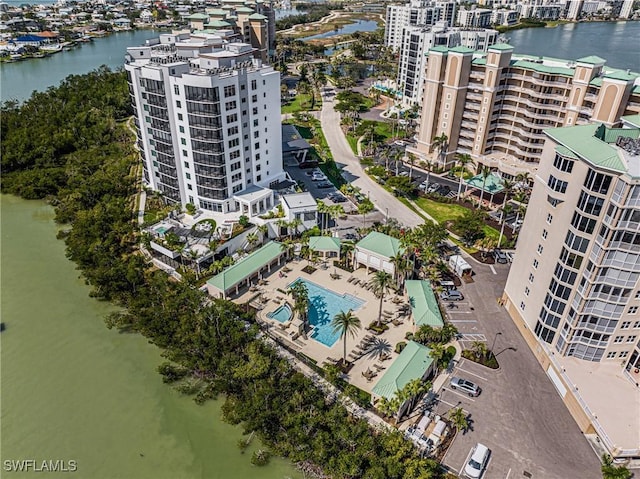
[{"x": 81, "y": 157}]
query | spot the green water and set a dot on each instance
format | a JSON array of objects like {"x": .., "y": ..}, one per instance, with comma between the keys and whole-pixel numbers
[{"x": 73, "y": 390}]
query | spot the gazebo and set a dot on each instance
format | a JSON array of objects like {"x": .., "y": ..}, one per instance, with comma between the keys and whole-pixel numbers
[
  {"x": 328, "y": 246},
  {"x": 492, "y": 184}
]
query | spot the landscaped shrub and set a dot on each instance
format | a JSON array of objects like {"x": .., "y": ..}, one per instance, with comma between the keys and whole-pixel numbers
[{"x": 400, "y": 346}]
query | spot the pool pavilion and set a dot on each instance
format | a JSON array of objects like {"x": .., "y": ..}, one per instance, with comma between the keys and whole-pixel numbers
[
  {"x": 328, "y": 246},
  {"x": 375, "y": 251},
  {"x": 247, "y": 270},
  {"x": 424, "y": 305}
]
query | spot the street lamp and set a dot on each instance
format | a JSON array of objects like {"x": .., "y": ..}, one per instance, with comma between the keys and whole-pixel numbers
[{"x": 494, "y": 342}]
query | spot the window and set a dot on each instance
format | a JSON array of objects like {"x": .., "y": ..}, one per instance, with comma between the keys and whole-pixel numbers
[
  {"x": 582, "y": 223},
  {"x": 258, "y": 178},
  {"x": 633, "y": 310},
  {"x": 231, "y": 118},
  {"x": 526, "y": 291},
  {"x": 243, "y": 87},
  {"x": 636, "y": 325},
  {"x": 183, "y": 141},
  {"x": 181, "y": 129},
  {"x": 631, "y": 339},
  {"x": 556, "y": 184},
  {"x": 535, "y": 264},
  {"x": 188, "y": 175},
  {"x": 589, "y": 204},
  {"x": 597, "y": 182},
  {"x": 611, "y": 354},
  {"x": 234, "y": 154},
  {"x": 254, "y": 98},
  {"x": 229, "y": 90},
  {"x": 189, "y": 186},
  {"x": 234, "y": 142},
  {"x": 230, "y": 105},
  {"x": 178, "y": 104},
  {"x": 553, "y": 201},
  {"x": 186, "y": 165},
  {"x": 185, "y": 153},
  {"x": 256, "y": 145},
  {"x": 236, "y": 177},
  {"x": 623, "y": 354},
  {"x": 180, "y": 117},
  {"x": 638, "y": 295},
  {"x": 563, "y": 164},
  {"x": 254, "y": 111},
  {"x": 235, "y": 166},
  {"x": 244, "y": 100},
  {"x": 531, "y": 277},
  {"x": 549, "y": 218},
  {"x": 256, "y": 134},
  {"x": 618, "y": 339},
  {"x": 232, "y": 131},
  {"x": 176, "y": 89},
  {"x": 540, "y": 249},
  {"x": 544, "y": 234},
  {"x": 254, "y": 84},
  {"x": 522, "y": 305}
]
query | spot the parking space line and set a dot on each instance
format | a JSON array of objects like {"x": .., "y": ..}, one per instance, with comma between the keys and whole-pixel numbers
[
  {"x": 469, "y": 372},
  {"x": 508, "y": 474},
  {"x": 447, "y": 403},
  {"x": 463, "y": 320},
  {"x": 466, "y": 396},
  {"x": 492, "y": 269}
]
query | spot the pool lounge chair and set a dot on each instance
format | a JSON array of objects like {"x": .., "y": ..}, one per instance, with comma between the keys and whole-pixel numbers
[{"x": 350, "y": 280}]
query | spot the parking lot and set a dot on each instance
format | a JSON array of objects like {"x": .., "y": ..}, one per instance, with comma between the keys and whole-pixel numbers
[{"x": 519, "y": 415}]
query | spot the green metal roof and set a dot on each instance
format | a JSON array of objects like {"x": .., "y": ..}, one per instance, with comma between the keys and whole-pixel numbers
[
  {"x": 257, "y": 16},
  {"x": 247, "y": 266},
  {"x": 244, "y": 10},
  {"x": 412, "y": 363},
  {"x": 479, "y": 61},
  {"x": 597, "y": 81},
  {"x": 539, "y": 67},
  {"x": 592, "y": 59},
  {"x": 501, "y": 46},
  {"x": 621, "y": 75},
  {"x": 324, "y": 243},
  {"x": 462, "y": 50},
  {"x": 440, "y": 49},
  {"x": 582, "y": 141},
  {"x": 423, "y": 303},
  {"x": 566, "y": 152},
  {"x": 492, "y": 185},
  {"x": 198, "y": 16},
  {"x": 218, "y": 24},
  {"x": 632, "y": 119},
  {"x": 610, "y": 135},
  {"x": 381, "y": 244}
]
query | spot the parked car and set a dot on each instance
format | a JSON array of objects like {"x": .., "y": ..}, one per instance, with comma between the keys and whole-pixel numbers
[
  {"x": 433, "y": 187},
  {"x": 465, "y": 385},
  {"x": 451, "y": 295},
  {"x": 325, "y": 184},
  {"x": 337, "y": 198},
  {"x": 478, "y": 458},
  {"x": 318, "y": 177},
  {"x": 351, "y": 237},
  {"x": 443, "y": 190},
  {"x": 500, "y": 256},
  {"x": 404, "y": 173},
  {"x": 423, "y": 186}
]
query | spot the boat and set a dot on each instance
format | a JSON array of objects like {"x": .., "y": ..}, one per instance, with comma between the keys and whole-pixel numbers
[
  {"x": 15, "y": 57},
  {"x": 53, "y": 48}
]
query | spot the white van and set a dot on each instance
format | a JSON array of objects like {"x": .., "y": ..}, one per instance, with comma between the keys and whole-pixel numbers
[{"x": 478, "y": 458}]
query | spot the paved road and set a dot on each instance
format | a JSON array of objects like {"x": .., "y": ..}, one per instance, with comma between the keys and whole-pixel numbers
[
  {"x": 352, "y": 170},
  {"x": 519, "y": 414}
]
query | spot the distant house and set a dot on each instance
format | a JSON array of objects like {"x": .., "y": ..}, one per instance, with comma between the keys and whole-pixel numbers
[
  {"x": 122, "y": 22},
  {"x": 146, "y": 16},
  {"x": 375, "y": 251}
]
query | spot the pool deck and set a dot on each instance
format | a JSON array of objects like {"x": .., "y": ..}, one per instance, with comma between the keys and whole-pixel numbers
[{"x": 384, "y": 343}]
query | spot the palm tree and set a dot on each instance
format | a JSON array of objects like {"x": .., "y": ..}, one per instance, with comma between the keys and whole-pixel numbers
[
  {"x": 441, "y": 143},
  {"x": 335, "y": 212},
  {"x": 347, "y": 324},
  {"x": 610, "y": 471},
  {"x": 459, "y": 419},
  {"x": 485, "y": 171},
  {"x": 463, "y": 160},
  {"x": 347, "y": 249},
  {"x": 322, "y": 209},
  {"x": 263, "y": 230},
  {"x": 287, "y": 246},
  {"x": 381, "y": 283},
  {"x": 428, "y": 165},
  {"x": 479, "y": 349},
  {"x": 300, "y": 294},
  {"x": 437, "y": 353},
  {"x": 506, "y": 209},
  {"x": 411, "y": 159},
  {"x": 252, "y": 239}
]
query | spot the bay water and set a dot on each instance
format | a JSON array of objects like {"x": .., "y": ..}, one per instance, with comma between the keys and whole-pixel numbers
[{"x": 72, "y": 390}]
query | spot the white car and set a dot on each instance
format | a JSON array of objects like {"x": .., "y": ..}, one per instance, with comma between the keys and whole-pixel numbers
[
  {"x": 319, "y": 177},
  {"x": 478, "y": 458}
]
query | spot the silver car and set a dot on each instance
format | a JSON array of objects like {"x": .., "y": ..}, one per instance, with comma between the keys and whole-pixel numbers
[{"x": 465, "y": 385}]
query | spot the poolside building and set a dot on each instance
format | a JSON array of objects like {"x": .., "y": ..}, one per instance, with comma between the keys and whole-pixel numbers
[
  {"x": 328, "y": 246},
  {"x": 302, "y": 207},
  {"x": 247, "y": 271},
  {"x": 375, "y": 251},
  {"x": 491, "y": 185},
  {"x": 424, "y": 305},
  {"x": 414, "y": 362}
]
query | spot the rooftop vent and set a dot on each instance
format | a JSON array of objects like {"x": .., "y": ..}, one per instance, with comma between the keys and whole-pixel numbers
[{"x": 630, "y": 145}]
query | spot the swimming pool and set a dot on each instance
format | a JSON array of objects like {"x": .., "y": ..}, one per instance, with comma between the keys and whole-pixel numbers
[
  {"x": 324, "y": 304},
  {"x": 282, "y": 313}
]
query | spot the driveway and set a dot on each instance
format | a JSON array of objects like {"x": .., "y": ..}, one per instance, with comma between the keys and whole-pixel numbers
[
  {"x": 519, "y": 414},
  {"x": 352, "y": 170}
]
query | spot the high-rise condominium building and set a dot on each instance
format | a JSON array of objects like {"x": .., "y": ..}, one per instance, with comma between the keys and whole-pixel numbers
[
  {"x": 208, "y": 118},
  {"x": 417, "y": 41},
  {"x": 574, "y": 285},
  {"x": 417, "y": 12},
  {"x": 495, "y": 105}
]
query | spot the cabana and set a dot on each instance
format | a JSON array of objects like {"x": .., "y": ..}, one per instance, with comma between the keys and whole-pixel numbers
[
  {"x": 246, "y": 270},
  {"x": 414, "y": 362},
  {"x": 375, "y": 251},
  {"x": 492, "y": 184},
  {"x": 424, "y": 306},
  {"x": 328, "y": 246}
]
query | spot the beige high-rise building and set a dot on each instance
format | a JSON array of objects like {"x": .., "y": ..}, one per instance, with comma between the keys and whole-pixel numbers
[
  {"x": 574, "y": 286},
  {"x": 495, "y": 105}
]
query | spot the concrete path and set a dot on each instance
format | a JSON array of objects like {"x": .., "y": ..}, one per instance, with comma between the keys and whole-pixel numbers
[{"x": 353, "y": 172}]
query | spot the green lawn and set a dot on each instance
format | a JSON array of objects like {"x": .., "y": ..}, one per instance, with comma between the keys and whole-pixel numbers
[
  {"x": 441, "y": 212},
  {"x": 300, "y": 103},
  {"x": 353, "y": 143}
]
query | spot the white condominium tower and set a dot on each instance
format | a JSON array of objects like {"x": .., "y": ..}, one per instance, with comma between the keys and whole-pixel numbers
[
  {"x": 494, "y": 106},
  {"x": 574, "y": 286},
  {"x": 417, "y": 12},
  {"x": 208, "y": 118}
]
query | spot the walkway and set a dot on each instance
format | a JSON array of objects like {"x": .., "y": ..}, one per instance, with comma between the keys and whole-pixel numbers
[{"x": 352, "y": 170}]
